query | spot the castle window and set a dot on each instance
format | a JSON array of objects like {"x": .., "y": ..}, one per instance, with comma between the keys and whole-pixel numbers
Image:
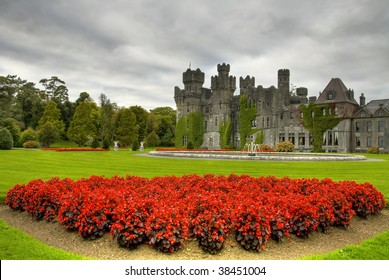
[
  {"x": 381, "y": 126},
  {"x": 216, "y": 121},
  {"x": 357, "y": 141},
  {"x": 357, "y": 126},
  {"x": 291, "y": 115},
  {"x": 282, "y": 116},
  {"x": 380, "y": 114},
  {"x": 205, "y": 125},
  {"x": 206, "y": 109},
  {"x": 368, "y": 126},
  {"x": 220, "y": 105},
  {"x": 330, "y": 95},
  {"x": 185, "y": 141},
  {"x": 291, "y": 138},
  {"x": 281, "y": 137},
  {"x": 369, "y": 141},
  {"x": 254, "y": 123},
  {"x": 336, "y": 138},
  {"x": 301, "y": 139},
  {"x": 381, "y": 142},
  {"x": 267, "y": 121}
]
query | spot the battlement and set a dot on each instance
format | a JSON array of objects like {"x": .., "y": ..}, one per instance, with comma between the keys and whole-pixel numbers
[
  {"x": 283, "y": 72},
  {"x": 246, "y": 82},
  {"x": 193, "y": 76},
  {"x": 223, "y": 68}
]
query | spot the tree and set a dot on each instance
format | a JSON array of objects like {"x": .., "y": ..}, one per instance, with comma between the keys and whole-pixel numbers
[
  {"x": 6, "y": 142},
  {"x": 126, "y": 130},
  {"x": 152, "y": 140},
  {"x": 107, "y": 113},
  {"x": 166, "y": 122},
  {"x": 53, "y": 115},
  {"x": 9, "y": 86},
  {"x": 141, "y": 121},
  {"x": 47, "y": 134},
  {"x": 84, "y": 124},
  {"x": 55, "y": 89},
  {"x": 29, "y": 105},
  {"x": 13, "y": 127},
  {"x": 317, "y": 120}
]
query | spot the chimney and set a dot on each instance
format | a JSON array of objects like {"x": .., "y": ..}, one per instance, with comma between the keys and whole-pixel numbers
[{"x": 362, "y": 100}]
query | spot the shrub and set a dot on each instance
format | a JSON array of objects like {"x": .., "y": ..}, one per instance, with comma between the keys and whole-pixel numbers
[
  {"x": 95, "y": 143},
  {"x": 28, "y": 135},
  {"x": 135, "y": 145},
  {"x": 31, "y": 144},
  {"x": 165, "y": 211},
  {"x": 106, "y": 144},
  {"x": 285, "y": 146},
  {"x": 190, "y": 145},
  {"x": 6, "y": 140},
  {"x": 265, "y": 147},
  {"x": 373, "y": 150}
]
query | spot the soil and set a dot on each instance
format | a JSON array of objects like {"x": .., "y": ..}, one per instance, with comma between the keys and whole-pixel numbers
[{"x": 105, "y": 248}]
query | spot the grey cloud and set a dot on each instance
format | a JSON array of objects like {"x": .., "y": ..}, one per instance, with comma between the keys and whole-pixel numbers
[{"x": 136, "y": 51}]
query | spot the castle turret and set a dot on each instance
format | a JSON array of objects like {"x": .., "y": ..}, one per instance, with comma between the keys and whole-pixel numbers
[
  {"x": 283, "y": 84},
  {"x": 247, "y": 82},
  {"x": 223, "y": 80},
  {"x": 193, "y": 80}
]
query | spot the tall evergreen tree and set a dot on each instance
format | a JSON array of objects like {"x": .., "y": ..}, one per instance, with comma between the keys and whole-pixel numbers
[
  {"x": 126, "y": 130},
  {"x": 83, "y": 127},
  {"x": 53, "y": 115}
]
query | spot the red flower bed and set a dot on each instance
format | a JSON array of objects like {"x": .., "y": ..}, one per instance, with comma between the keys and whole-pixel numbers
[
  {"x": 165, "y": 211},
  {"x": 84, "y": 149}
]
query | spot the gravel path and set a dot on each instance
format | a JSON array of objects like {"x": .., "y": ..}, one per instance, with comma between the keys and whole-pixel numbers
[{"x": 54, "y": 234}]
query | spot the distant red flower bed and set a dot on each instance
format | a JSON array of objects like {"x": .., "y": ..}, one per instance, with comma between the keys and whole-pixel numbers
[
  {"x": 82, "y": 149},
  {"x": 164, "y": 149},
  {"x": 165, "y": 211}
]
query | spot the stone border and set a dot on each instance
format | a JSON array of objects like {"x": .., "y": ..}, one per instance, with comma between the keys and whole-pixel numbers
[{"x": 273, "y": 156}]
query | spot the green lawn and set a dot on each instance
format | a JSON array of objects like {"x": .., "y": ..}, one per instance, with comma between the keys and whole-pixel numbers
[{"x": 21, "y": 166}]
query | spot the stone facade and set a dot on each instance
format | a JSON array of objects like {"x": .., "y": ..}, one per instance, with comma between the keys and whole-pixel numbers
[{"x": 277, "y": 112}]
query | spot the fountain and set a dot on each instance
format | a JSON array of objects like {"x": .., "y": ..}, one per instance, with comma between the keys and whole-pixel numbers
[{"x": 251, "y": 147}]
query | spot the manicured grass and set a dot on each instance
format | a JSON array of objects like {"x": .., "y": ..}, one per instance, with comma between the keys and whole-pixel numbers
[
  {"x": 373, "y": 249},
  {"x": 20, "y": 166},
  {"x": 16, "y": 245}
]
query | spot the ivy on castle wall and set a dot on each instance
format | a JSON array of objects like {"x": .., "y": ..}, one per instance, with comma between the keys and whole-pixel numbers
[
  {"x": 225, "y": 131},
  {"x": 181, "y": 131},
  {"x": 247, "y": 114},
  {"x": 196, "y": 129},
  {"x": 191, "y": 126},
  {"x": 317, "y": 120}
]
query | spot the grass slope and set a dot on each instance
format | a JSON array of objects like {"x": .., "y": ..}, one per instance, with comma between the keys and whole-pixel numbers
[
  {"x": 17, "y": 245},
  {"x": 21, "y": 166}
]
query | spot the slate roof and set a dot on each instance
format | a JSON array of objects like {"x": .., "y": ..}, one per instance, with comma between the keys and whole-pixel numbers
[
  {"x": 336, "y": 92},
  {"x": 373, "y": 106}
]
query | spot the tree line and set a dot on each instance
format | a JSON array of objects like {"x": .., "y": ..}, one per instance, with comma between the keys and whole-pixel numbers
[{"x": 30, "y": 117}]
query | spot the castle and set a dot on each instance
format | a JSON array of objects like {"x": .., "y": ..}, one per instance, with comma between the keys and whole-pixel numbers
[{"x": 278, "y": 115}]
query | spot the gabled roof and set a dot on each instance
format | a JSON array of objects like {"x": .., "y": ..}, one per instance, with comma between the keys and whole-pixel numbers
[
  {"x": 375, "y": 105},
  {"x": 336, "y": 92}
]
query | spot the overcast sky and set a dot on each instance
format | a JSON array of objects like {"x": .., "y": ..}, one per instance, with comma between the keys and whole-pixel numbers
[{"x": 135, "y": 51}]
